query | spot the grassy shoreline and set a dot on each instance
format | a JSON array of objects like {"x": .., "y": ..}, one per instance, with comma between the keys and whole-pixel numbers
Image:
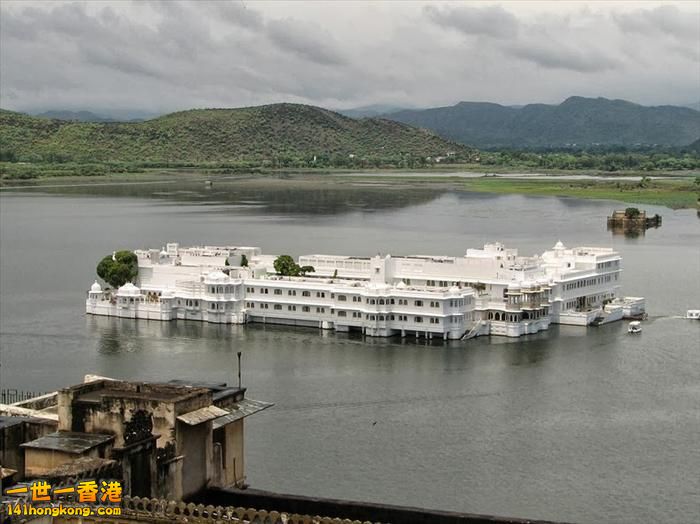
[
  {"x": 10, "y": 171},
  {"x": 673, "y": 191},
  {"x": 675, "y": 194}
]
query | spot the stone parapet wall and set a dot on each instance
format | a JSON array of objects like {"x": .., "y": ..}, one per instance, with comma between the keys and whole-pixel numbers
[
  {"x": 156, "y": 511},
  {"x": 199, "y": 513}
]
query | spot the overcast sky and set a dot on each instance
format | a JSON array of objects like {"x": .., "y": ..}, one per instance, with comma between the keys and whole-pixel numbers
[{"x": 164, "y": 56}]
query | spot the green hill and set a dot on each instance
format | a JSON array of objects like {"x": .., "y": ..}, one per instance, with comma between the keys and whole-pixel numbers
[
  {"x": 279, "y": 132},
  {"x": 575, "y": 122}
]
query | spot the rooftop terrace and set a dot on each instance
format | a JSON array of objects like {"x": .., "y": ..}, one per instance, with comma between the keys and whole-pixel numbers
[
  {"x": 137, "y": 390},
  {"x": 69, "y": 442}
]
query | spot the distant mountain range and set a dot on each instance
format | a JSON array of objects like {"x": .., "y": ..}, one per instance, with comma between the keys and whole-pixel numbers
[
  {"x": 370, "y": 111},
  {"x": 252, "y": 134},
  {"x": 577, "y": 121}
]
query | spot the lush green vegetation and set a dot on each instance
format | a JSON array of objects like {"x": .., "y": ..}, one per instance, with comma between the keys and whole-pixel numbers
[
  {"x": 119, "y": 268},
  {"x": 280, "y": 135},
  {"x": 289, "y": 138},
  {"x": 671, "y": 193},
  {"x": 576, "y": 121},
  {"x": 26, "y": 171},
  {"x": 596, "y": 159},
  {"x": 285, "y": 266}
]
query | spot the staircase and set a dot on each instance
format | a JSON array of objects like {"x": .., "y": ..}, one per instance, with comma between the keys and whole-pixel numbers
[{"x": 474, "y": 331}]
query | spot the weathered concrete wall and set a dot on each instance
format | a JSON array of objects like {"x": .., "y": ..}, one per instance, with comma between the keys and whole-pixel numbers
[
  {"x": 110, "y": 416},
  {"x": 12, "y": 436},
  {"x": 64, "y": 399},
  {"x": 11, "y": 455},
  {"x": 169, "y": 479},
  {"x": 234, "y": 459},
  {"x": 39, "y": 461},
  {"x": 230, "y": 459},
  {"x": 195, "y": 443},
  {"x": 344, "y": 509},
  {"x": 138, "y": 462}
]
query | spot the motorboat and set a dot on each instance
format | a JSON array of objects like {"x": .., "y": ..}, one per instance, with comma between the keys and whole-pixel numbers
[
  {"x": 693, "y": 314},
  {"x": 634, "y": 327}
]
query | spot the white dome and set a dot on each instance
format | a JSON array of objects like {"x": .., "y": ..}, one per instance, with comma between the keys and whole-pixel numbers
[
  {"x": 216, "y": 277},
  {"x": 129, "y": 290},
  {"x": 454, "y": 290},
  {"x": 163, "y": 253},
  {"x": 559, "y": 245},
  {"x": 401, "y": 285},
  {"x": 95, "y": 288}
]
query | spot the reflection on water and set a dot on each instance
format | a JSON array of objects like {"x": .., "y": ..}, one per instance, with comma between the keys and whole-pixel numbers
[
  {"x": 575, "y": 424},
  {"x": 296, "y": 196}
]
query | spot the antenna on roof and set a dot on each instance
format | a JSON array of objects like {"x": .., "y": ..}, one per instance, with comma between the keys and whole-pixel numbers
[{"x": 239, "y": 370}]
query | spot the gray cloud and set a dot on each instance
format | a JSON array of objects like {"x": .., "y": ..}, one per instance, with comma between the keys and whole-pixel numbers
[
  {"x": 236, "y": 12},
  {"x": 163, "y": 56},
  {"x": 666, "y": 19},
  {"x": 306, "y": 40},
  {"x": 491, "y": 21},
  {"x": 555, "y": 55}
]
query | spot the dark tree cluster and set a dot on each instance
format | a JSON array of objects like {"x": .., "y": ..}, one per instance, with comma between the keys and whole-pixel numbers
[
  {"x": 285, "y": 266},
  {"x": 119, "y": 268}
]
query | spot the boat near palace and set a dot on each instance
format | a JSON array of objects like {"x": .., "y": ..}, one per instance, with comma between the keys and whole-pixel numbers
[
  {"x": 489, "y": 291},
  {"x": 634, "y": 327},
  {"x": 693, "y": 314}
]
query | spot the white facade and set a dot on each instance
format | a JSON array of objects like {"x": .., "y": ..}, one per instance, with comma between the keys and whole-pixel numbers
[{"x": 488, "y": 291}]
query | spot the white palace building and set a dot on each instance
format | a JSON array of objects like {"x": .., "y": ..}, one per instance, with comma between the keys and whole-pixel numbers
[{"x": 489, "y": 291}]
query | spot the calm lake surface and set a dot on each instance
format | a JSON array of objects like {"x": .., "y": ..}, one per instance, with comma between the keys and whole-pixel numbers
[{"x": 583, "y": 425}]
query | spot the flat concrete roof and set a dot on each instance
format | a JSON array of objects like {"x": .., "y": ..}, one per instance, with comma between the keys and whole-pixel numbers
[
  {"x": 78, "y": 466},
  {"x": 140, "y": 390},
  {"x": 7, "y": 422},
  {"x": 68, "y": 442},
  {"x": 219, "y": 389}
]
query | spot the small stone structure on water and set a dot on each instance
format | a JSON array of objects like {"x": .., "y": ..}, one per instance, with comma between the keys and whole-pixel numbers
[{"x": 632, "y": 221}]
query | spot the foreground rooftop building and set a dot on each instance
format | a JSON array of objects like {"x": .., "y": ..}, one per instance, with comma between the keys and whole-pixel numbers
[
  {"x": 489, "y": 291},
  {"x": 168, "y": 440},
  {"x": 177, "y": 450}
]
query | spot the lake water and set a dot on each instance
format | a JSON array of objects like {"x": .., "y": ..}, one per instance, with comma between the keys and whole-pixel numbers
[{"x": 584, "y": 425}]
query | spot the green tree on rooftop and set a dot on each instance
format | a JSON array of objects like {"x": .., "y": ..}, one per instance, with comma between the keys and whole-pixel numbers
[{"x": 119, "y": 268}]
